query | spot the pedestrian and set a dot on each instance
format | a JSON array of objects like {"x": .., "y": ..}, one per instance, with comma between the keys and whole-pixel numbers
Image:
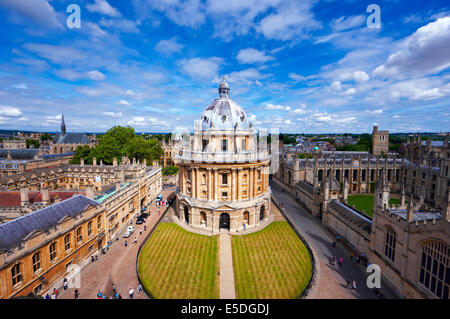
[
  {"x": 65, "y": 283},
  {"x": 99, "y": 295},
  {"x": 113, "y": 288},
  {"x": 244, "y": 226},
  {"x": 140, "y": 232},
  {"x": 135, "y": 240},
  {"x": 75, "y": 294},
  {"x": 125, "y": 243},
  {"x": 47, "y": 296},
  {"x": 145, "y": 227},
  {"x": 120, "y": 296},
  {"x": 55, "y": 291},
  {"x": 116, "y": 295},
  {"x": 334, "y": 260},
  {"x": 349, "y": 284},
  {"x": 139, "y": 288},
  {"x": 354, "y": 284},
  {"x": 96, "y": 257},
  {"x": 340, "y": 261},
  {"x": 53, "y": 296},
  {"x": 131, "y": 293},
  {"x": 334, "y": 244},
  {"x": 92, "y": 258},
  {"x": 351, "y": 255},
  {"x": 337, "y": 238}
]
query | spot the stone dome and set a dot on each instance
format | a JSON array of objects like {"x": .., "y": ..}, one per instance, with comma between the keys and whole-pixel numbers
[{"x": 224, "y": 113}]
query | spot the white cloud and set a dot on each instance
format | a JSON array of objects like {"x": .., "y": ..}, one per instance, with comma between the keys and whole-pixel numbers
[
  {"x": 103, "y": 7},
  {"x": 336, "y": 86},
  {"x": 345, "y": 23},
  {"x": 68, "y": 74},
  {"x": 350, "y": 91},
  {"x": 112, "y": 114},
  {"x": 426, "y": 51},
  {"x": 96, "y": 75},
  {"x": 9, "y": 111},
  {"x": 169, "y": 46},
  {"x": 123, "y": 102},
  {"x": 292, "y": 20},
  {"x": 203, "y": 68},
  {"x": 124, "y": 25},
  {"x": 251, "y": 55},
  {"x": 271, "y": 106},
  {"x": 359, "y": 76},
  {"x": 37, "y": 11}
]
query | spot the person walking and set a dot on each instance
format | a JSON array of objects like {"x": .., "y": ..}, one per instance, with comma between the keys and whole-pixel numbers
[
  {"x": 125, "y": 243},
  {"x": 131, "y": 293},
  {"x": 65, "y": 283},
  {"x": 75, "y": 294},
  {"x": 135, "y": 240},
  {"x": 140, "y": 232},
  {"x": 340, "y": 261},
  {"x": 354, "y": 284},
  {"x": 113, "y": 287},
  {"x": 145, "y": 228},
  {"x": 53, "y": 296},
  {"x": 139, "y": 288},
  {"x": 334, "y": 244},
  {"x": 47, "y": 296}
]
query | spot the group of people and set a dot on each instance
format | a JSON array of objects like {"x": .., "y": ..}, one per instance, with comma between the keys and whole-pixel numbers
[{"x": 116, "y": 295}]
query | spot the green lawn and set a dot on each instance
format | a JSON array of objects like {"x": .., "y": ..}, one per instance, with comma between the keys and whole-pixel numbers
[
  {"x": 272, "y": 263},
  {"x": 177, "y": 264},
  {"x": 365, "y": 202}
]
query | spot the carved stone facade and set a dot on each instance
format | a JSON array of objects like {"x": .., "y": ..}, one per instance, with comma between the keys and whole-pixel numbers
[{"x": 223, "y": 174}]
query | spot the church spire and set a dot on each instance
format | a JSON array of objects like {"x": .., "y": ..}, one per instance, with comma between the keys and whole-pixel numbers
[{"x": 63, "y": 125}]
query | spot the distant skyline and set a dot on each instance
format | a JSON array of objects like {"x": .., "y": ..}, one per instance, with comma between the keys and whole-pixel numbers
[{"x": 300, "y": 66}]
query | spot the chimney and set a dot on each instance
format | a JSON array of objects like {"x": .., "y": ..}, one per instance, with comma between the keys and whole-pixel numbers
[
  {"x": 90, "y": 191},
  {"x": 114, "y": 161},
  {"x": 81, "y": 161},
  {"x": 117, "y": 187},
  {"x": 145, "y": 162},
  {"x": 101, "y": 162},
  {"x": 94, "y": 161},
  {"x": 45, "y": 195},
  {"x": 23, "y": 196},
  {"x": 345, "y": 195}
]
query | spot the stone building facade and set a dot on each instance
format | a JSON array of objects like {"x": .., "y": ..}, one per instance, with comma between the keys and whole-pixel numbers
[
  {"x": 380, "y": 141},
  {"x": 41, "y": 248},
  {"x": 223, "y": 173}
]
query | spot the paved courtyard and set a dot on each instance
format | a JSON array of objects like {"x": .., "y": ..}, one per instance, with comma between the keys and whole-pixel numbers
[
  {"x": 118, "y": 265},
  {"x": 333, "y": 279}
]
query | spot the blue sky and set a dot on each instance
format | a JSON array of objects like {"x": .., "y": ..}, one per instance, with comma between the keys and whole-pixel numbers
[{"x": 300, "y": 66}]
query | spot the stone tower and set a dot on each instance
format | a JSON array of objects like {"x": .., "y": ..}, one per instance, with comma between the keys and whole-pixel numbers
[{"x": 380, "y": 141}]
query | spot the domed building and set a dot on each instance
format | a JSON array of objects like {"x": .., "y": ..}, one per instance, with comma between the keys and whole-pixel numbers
[{"x": 223, "y": 171}]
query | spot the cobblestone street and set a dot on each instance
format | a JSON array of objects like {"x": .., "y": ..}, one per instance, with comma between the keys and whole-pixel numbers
[{"x": 118, "y": 265}]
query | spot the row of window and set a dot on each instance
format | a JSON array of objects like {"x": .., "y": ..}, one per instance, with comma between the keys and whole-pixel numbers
[
  {"x": 16, "y": 270},
  {"x": 434, "y": 273}
]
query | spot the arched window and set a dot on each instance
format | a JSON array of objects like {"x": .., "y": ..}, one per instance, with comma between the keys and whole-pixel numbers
[
  {"x": 391, "y": 241},
  {"x": 52, "y": 251},
  {"x": 67, "y": 242},
  {"x": 36, "y": 262},
  {"x": 246, "y": 218},
  {"x": 16, "y": 274},
  {"x": 79, "y": 235},
  {"x": 434, "y": 272}
]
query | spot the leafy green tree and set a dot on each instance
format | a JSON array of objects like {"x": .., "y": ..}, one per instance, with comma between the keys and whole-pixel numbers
[
  {"x": 83, "y": 151},
  {"x": 32, "y": 143},
  {"x": 46, "y": 137},
  {"x": 169, "y": 170}
]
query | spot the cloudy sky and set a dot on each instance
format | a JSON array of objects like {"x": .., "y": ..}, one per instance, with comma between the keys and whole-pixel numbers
[{"x": 301, "y": 66}]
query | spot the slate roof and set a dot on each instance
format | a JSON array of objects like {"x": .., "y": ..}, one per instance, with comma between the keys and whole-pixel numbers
[
  {"x": 13, "y": 232},
  {"x": 19, "y": 153},
  {"x": 71, "y": 138},
  {"x": 417, "y": 215},
  {"x": 352, "y": 215}
]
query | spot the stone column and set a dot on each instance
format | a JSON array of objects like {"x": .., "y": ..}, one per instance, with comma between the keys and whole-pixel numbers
[
  {"x": 237, "y": 183},
  {"x": 250, "y": 182},
  {"x": 233, "y": 182},
  {"x": 216, "y": 184}
]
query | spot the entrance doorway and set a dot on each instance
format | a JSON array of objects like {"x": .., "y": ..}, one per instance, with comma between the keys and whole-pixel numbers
[
  {"x": 186, "y": 215},
  {"x": 262, "y": 212},
  {"x": 224, "y": 221}
]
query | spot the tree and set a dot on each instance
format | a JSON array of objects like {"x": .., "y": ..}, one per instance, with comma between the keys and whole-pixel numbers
[
  {"x": 46, "y": 137},
  {"x": 117, "y": 142},
  {"x": 83, "y": 151},
  {"x": 32, "y": 143},
  {"x": 170, "y": 170}
]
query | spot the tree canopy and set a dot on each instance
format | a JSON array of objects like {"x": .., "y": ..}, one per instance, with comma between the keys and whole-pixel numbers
[{"x": 117, "y": 142}]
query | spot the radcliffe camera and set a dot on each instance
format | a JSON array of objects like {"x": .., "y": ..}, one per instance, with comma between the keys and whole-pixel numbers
[{"x": 215, "y": 159}]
